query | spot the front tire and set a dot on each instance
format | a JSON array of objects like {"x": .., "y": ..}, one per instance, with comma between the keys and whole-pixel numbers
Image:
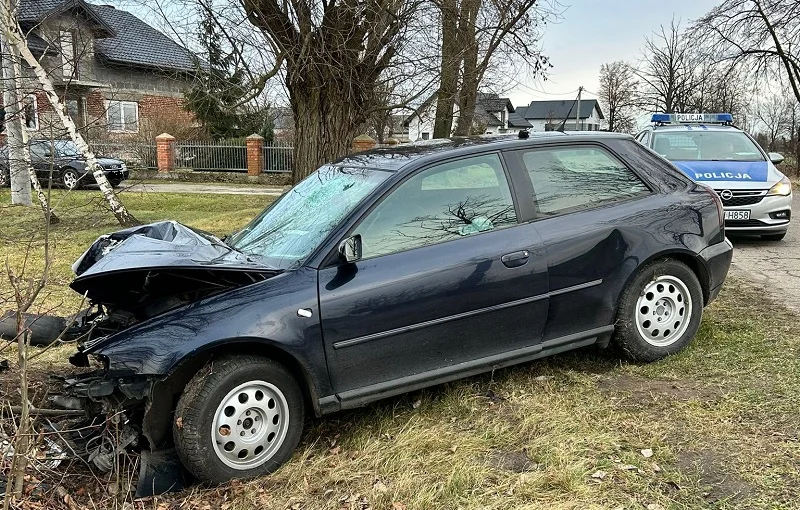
[
  {"x": 659, "y": 311},
  {"x": 774, "y": 237},
  {"x": 240, "y": 417}
]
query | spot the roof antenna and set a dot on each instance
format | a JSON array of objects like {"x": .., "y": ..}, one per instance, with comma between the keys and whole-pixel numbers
[{"x": 524, "y": 134}]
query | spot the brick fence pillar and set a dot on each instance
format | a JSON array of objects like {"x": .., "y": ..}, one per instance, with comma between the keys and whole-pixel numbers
[
  {"x": 255, "y": 154},
  {"x": 165, "y": 152},
  {"x": 363, "y": 143}
]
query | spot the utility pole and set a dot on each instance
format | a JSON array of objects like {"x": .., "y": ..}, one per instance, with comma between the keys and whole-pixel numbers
[
  {"x": 578, "y": 115},
  {"x": 20, "y": 180}
]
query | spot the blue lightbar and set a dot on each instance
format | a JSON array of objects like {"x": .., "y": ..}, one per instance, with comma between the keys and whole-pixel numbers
[{"x": 692, "y": 118}]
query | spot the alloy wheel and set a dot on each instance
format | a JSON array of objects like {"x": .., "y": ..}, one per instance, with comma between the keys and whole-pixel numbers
[
  {"x": 70, "y": 179},
  {"x": 250, "y": 424},
  {"x": 663, "y": 310}
]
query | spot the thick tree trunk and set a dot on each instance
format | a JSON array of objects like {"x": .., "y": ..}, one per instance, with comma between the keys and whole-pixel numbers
[
  {"x": 448, "y": 79},
  {"x": 14, "y": 37},
  {"x": 470, "y": 77},
  {"x": 326, "y": 122}
]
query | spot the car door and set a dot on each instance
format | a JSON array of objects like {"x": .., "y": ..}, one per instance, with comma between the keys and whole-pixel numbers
[
  {"x": 585, "y": 198},
  {"x": 448, "y": 281}
]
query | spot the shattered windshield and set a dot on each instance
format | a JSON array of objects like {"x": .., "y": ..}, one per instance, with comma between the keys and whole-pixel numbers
[{"x": 291, "y": 228}]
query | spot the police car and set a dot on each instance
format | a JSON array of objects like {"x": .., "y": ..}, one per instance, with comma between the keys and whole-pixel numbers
[{"x": 757, "y": 198}]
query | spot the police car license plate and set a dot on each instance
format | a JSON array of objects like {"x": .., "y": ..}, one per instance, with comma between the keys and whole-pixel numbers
[{"x": 737, "y": 215}]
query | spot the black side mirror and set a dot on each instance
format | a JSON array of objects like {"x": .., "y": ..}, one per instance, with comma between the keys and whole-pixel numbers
[
  {"x": 776, "y": 158},
  {"x": 350, "y": 249}
]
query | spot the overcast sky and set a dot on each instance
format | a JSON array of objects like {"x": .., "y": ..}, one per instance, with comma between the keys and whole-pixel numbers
[{"x": 594, "y": 32}]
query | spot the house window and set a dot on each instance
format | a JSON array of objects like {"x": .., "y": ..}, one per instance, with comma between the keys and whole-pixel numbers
[
  {"x": 122, "y": 116},
  {"x": 426, "y": 136},
  {"x": 30, "y": 112},
  {"x": 69, "y": 54}
]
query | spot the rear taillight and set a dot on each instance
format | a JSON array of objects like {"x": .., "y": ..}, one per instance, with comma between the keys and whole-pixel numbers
[{"x": 718, "y": 203}]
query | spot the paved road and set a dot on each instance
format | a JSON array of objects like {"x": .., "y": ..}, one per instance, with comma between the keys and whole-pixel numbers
[
  {"x": 214, "y": 189},
  {"x": 775, "y": 266}
]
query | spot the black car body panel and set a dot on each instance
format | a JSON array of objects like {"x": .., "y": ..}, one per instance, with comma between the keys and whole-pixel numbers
[{"x": 384, "y": 325}]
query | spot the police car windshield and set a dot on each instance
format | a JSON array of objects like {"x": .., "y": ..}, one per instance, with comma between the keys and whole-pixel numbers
[{"x": 700, "y": 145}]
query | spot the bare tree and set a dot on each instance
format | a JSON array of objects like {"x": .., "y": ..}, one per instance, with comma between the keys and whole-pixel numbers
[
  {"x": 501, "y": 34},
  {"x": 334, "y": 54},
  {"x": 667, "y": 70},
  {"x": 452, "y": 57},
  {"x": 618, "y": 94},
  {"x": 762, "y": 32},
  {"x": 775, "y": 117}
]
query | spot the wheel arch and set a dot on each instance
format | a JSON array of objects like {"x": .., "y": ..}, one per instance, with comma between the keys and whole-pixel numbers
[
  {"x": 168, "y": 389},
  {"x": 690, "y": 259}
]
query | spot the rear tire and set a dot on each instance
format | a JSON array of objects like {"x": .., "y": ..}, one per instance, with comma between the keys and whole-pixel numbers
[
  {"x": 774, "y": 237},
  {"x": 659, "y": 311},
  {"x": 240, "y": 417}
]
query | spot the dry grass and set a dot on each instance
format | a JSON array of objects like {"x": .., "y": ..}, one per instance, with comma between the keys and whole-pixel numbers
[{"x": 721, "y": 418}]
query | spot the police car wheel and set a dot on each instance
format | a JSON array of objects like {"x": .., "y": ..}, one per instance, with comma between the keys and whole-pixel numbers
[
  {"x": 773, "y": 237},
  {"x": 659, "y": 311}
]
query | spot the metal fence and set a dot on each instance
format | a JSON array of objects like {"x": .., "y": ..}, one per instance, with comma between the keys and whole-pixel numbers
[
  {"x": 214, "y": 156},
  {"x": 134, "y": 154},
  {"x": 278, "y": 157}
]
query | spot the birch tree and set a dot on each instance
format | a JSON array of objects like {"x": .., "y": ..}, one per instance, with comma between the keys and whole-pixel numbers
[{"x": 16, "y": 40}]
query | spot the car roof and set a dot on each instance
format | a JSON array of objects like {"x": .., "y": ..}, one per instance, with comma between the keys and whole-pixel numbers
[{"x": 401, "y": 156}]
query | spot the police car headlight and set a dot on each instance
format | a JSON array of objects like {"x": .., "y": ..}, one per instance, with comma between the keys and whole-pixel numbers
[{"x": 781, "y": 188}]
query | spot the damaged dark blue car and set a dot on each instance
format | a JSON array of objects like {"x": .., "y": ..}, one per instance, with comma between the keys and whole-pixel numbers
[{"x": 381, "y": 273}]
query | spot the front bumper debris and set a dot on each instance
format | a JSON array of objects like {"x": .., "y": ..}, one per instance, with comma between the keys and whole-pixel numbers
[{"x": 113, "y": 425}]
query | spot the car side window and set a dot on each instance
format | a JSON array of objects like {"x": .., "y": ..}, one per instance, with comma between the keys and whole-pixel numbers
[
  {"x": 643, "y": 137},
  {"x": 39, "y": 150},
  {"x": 567, "y": 179},
  {"x": 445, "y": 202}
]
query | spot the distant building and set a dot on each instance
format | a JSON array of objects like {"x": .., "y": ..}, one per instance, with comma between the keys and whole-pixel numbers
[
  {"x": 550, "y": 115},
  {"x": 113, "y": 71},
  {"x": 493, "y": 115}
]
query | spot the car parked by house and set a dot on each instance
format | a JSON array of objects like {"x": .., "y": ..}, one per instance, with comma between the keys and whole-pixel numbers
[
  {"x": 385, "y": 272},
  {"x": 707, "y": 147},
  {"x": 62, "y": 162}
]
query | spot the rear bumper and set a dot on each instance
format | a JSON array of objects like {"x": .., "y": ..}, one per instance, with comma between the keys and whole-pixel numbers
[{"x": 717, "y": 258}]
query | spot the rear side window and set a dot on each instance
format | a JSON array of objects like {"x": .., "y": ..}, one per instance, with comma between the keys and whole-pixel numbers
[
  {"x": 567, "y": 179},
  {"x": 442, "y": 203}
]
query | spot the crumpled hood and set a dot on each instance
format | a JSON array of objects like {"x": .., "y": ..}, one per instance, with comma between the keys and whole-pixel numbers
[{"x": 165, "y": 245}]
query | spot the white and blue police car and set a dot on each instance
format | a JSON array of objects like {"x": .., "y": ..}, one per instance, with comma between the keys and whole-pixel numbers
[{"x": 756, "y": 196}]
